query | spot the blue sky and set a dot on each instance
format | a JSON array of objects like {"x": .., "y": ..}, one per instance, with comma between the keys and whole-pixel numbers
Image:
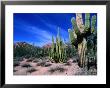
[{"x": 38, "y": 28}]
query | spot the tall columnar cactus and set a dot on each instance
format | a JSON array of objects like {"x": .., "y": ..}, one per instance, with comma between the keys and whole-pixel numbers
[
  {"x": 58, "y": 50},
  {"x": 78, "y": 35},
  {"x": 52, "y": 49}
]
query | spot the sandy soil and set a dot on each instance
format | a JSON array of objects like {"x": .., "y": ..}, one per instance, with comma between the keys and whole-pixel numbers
[{"x": 46, "y": 67}]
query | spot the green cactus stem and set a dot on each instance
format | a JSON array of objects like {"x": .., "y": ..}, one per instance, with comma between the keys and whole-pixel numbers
[
  {"x": 58, "y": 51},
  {"x": 79, "y": 34}
]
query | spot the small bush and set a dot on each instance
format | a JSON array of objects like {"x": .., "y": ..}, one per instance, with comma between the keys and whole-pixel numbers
[
  {"x": 35, "y": 61},
  {"x": 16, "y": 63},
  {"x": 44, "y": 64},
  {"x": 85, "y": 71},
  {"x": 47, "y": 64},
  {"x": 30, "y": 70},
  {"x": 68, "y": 63},
  {"x": 15, "y": 70},
  {"x": 29, "y": 60},
  {"x": 26, "y": 65},
  {"x": 59, "y": 69},
  {"x": 18, "y": 59},
  {"x": 41, "y": 63}
]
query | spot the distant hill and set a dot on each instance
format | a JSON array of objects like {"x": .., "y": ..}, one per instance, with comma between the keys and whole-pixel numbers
[
  {"x": 24, "y": 49},
  {"x": 23, "y": 44},
  {"x": 47, "y": 45}
]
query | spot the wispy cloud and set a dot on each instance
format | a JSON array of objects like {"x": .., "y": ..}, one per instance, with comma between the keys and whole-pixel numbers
[
  {"x": 51, "y": 27},
  {"x": 40, "y": 34}
]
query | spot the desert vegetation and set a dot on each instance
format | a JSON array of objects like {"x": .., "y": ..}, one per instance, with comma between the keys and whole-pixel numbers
[{"x": 76, "y": 57}]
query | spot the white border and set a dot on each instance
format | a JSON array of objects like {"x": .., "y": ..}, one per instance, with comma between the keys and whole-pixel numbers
[{"x": 101, "y": 15}]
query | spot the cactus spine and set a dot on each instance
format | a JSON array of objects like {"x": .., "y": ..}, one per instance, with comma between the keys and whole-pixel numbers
[{"x": 79, "y": 34}]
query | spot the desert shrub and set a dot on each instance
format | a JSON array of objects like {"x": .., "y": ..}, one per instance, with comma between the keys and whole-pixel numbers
[
  {"x": 42, "y": 63},
  {"x": 35, "y": 61},
  {"x": 92, "y": 71},
  {"x": 18, "y": 58},
  {"x": 47, "y": 64},
  {"x": 30, "y": 70},
  {"x": 71, "y": 52},
  {"x": 68, "y": 63},
  {"x": 74, "y": 61},
  {"x": 15, "y": 70},
  {"x": 23, "y": 49},
  {"x": 57, "y": 68},
  {"x": 26, "y": 65},
  {"x": 16, "y": 63},
  {"x": 29, "y": 60},
  {"x": 85, "y": 71}
]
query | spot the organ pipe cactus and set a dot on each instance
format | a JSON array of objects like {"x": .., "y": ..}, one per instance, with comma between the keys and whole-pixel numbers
[
  {"x": 79, "y": 33},
  {"x": 58, "y": 50}
]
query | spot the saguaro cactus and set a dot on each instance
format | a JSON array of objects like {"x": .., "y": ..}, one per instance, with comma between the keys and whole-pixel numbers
[{"x": 78, "y": 35}]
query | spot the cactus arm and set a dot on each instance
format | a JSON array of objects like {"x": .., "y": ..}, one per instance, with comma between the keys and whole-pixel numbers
[
  {"x": 56, "y": 44},
  {"x": 79, "y": 22},
  {"x": 73, "y": 21},
  {"x": 87, "y": 22},
  {"x": 57, "y": 47},
  {"x": 71, "y": 36},
  {"x": 52, "y": 43},
  {"x": 52, "y": 52},
  {"x": 52, "y": 39},
  {"x": 93, "y": 22}
]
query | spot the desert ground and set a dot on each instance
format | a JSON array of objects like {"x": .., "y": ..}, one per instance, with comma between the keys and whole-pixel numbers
[{"x": 49, "y": 67}]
